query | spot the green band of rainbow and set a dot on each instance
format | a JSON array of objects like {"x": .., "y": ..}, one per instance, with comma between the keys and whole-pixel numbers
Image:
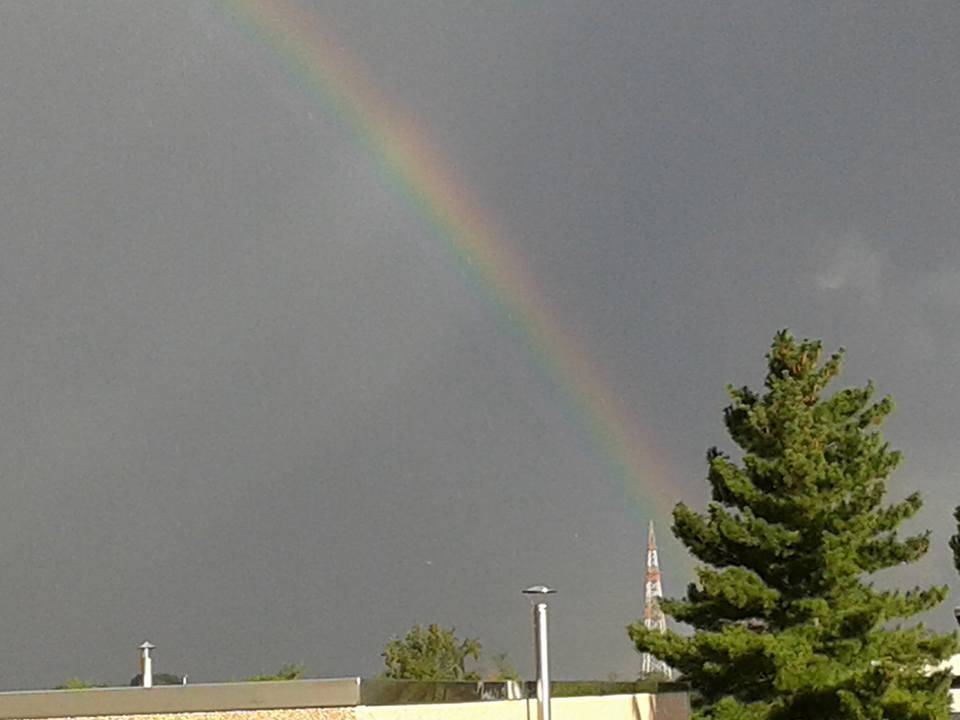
[{"x": 412, "y": 165}]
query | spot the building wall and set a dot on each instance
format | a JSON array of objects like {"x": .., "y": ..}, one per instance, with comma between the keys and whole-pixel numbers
[
  {"x": 609, "y": 707},
  {"x": 341, "y": 713}
]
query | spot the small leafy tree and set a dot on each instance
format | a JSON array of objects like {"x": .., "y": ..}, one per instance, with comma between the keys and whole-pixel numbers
[
  {"x": 78, "y": 684},
  {"x": 158, "y": 679},
  {"x": 290, "y": 671},
  {"x": 502, "y": 669},
  {"x": 787, "y": 625},
  {"x": 431, "y": 653}
]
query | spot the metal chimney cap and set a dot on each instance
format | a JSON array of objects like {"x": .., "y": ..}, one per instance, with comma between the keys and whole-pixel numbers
[
  {"x": 147, "y": 645},
  {"x": 538, "y": 590}
]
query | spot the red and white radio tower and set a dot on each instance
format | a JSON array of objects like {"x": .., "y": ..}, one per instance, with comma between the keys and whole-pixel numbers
[{"x": 653, "y": 617}]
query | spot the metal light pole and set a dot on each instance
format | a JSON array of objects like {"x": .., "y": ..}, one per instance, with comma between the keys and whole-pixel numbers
[
  {"x": 146, "y": 665},
  {"x": 538, "y": 597}
]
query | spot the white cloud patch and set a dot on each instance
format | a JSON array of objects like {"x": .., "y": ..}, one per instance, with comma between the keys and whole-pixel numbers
[
  {"x": 942, "y": 288},
  {"x": 854, "y": 266}
]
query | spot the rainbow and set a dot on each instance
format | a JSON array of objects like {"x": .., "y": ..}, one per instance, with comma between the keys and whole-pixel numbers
[{"x": 410, "y": 164}]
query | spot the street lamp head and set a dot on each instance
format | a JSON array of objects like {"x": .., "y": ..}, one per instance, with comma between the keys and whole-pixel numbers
[
  {"x": 538, "y": 593},
  {"x": 956, "y": 614}
]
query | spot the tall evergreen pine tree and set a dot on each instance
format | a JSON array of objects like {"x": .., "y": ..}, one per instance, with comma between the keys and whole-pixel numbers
[{"x": 787, "y": 624}]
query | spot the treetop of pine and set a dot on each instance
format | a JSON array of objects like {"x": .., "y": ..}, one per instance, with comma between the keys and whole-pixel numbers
[{"x": 785, "y": 615}]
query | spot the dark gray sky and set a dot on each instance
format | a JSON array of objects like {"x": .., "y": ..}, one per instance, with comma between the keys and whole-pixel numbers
[{"x": 253, "y": 411}]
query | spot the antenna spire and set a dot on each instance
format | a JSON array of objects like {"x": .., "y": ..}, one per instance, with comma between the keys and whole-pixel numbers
[{"x": 653, "y": 617}]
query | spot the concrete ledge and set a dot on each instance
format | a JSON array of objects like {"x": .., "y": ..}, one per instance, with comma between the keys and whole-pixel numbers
[{"x": 181, "y": 699}]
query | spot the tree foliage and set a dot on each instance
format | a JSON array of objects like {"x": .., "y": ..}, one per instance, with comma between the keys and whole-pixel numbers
[
  {"x": 501, "y": 669},
  {"x": 290, "y": 671},
  {"x": 787, "y": 623},
  {"x": 158, "y": 679},
  {"x": 955, "y": 541},
  {"x": 78, "y": 684},
  {"x": 431, "y": 653}
]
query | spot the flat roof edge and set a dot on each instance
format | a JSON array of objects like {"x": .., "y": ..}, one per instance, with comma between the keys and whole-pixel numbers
[{"x": 340, "y": 692}]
